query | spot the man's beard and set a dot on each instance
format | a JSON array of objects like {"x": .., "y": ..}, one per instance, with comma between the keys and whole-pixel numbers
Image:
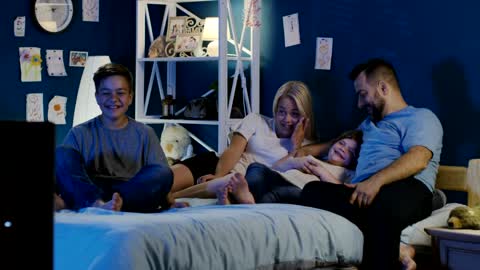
[{"x": 377, "y": 109}]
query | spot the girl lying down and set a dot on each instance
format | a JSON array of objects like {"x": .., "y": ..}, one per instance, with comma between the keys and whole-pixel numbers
[{"x": 283, "y": 182}]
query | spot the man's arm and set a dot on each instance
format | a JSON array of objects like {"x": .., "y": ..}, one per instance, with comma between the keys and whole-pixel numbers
[{"x": 410, "y": 163}]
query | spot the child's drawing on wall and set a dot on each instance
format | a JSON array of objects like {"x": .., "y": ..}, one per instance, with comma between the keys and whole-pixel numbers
[
  {"x": 35, "y": 107},
  {"x": 30, "y": 64}
]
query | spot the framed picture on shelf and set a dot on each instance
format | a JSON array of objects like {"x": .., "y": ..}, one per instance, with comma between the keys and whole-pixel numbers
[
  {"x": 78, "y": 59},
  {"x": 176, "y": 26},
  {"x": 188, "y": 42}
]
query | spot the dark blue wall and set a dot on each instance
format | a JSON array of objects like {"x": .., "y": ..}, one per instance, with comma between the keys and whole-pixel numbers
[
  {"x": 114, "y": 35},
  {"x": 433, "y": 44}
]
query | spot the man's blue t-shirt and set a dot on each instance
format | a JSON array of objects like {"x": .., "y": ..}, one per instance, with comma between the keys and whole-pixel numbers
[{"x": 387, "y": 140}]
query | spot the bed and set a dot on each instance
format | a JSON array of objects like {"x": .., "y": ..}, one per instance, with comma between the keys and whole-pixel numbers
[{"x": 262, "y": 236}]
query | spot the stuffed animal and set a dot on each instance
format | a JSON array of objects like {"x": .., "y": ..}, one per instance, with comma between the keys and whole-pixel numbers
[
  {"x": 176, "y": 143},
  {"x": 464, "y": 217},
  {"x": 157, "y": 48}
]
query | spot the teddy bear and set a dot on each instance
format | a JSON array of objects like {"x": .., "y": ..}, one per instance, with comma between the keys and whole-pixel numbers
[
  {"x": 464, "y": 217},
  {"x": 176, "y": 143}
]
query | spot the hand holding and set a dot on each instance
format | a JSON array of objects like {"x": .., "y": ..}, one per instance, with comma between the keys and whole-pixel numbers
[
  {"x": 205, "y": 178},
  {"x": 364, "y": 192}
]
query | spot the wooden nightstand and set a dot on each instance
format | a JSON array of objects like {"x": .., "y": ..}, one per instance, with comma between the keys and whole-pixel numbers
[{"x": 455, "y": 249}]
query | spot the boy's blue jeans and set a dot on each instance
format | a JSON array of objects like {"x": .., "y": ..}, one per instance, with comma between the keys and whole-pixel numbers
[{"x": 145, "y": 192}]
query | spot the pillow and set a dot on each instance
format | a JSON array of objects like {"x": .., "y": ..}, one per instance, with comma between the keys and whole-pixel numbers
[
  {"x": 439, "y": 199},
  {"x": 415, "y": 234}
]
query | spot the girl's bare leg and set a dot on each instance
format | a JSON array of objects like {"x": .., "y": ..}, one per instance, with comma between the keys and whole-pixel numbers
[
  {"x": 182, "y": 177},
  {"x": 203, "y": 190}
]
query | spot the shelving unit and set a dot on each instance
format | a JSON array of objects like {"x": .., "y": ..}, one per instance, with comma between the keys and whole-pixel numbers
[{"x": 231, "y": 50}]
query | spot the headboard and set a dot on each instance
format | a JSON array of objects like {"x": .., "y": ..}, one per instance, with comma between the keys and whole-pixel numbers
[{"x": 460, "y": 178}]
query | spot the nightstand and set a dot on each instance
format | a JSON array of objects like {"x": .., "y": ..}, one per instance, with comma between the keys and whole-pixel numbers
[{"x": 455, "y": 249}]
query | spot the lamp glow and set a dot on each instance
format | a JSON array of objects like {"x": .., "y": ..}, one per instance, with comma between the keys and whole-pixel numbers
[
  {"x": 210, "y": 33},
  {"x": 86, "y": 106}
]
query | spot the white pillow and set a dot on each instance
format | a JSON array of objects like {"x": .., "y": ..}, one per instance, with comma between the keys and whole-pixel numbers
[{"x": 415, "y": 234}]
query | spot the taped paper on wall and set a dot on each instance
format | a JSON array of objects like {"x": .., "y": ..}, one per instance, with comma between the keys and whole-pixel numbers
[
  {"x": 35, "y": 107},
  {"x": 55, "y": 65},
  {"x": 19, "y": 26},
  {"x": 90, "y": 10},
  {"x": 291, "y": 30},
  {"x": 323, "y": 59},
  {"x": 30, "y": 64},
  {"x": 57, "y": 110}
]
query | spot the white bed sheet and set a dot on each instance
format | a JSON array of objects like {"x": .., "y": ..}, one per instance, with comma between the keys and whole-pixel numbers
[{"x": 205, "y": 237}]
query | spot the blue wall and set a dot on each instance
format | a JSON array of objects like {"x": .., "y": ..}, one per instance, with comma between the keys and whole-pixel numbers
[
  {"x": 433, "y": 44},
  {"x": 114, "y": 35}
]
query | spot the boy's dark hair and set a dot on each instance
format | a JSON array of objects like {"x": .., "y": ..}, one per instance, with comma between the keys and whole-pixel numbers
[
  {"x": 356, "y": 135},
  {"x": 113, "y": 69},
  {"x": 372, "y": 66}
]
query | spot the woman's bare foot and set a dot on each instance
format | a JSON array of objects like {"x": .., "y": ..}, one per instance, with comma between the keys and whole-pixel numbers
[
  {"x": 115, "y": 204},
  {"x": 222, "y": 195},
  {"x": 59, "y": 203},
  {"x": 176, "y": 204},
  {"x": 240, "y": 190},
  {"x": 407, "y": 253}
]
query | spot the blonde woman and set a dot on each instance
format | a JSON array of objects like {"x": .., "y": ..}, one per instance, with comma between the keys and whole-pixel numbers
[{"x": 256, "y": 138}]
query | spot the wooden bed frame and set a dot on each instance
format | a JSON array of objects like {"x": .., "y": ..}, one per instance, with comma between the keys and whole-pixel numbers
[{"x": 460, "y": 178}]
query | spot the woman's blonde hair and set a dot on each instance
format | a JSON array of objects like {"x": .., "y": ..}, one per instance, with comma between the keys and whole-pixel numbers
[{"x": 300, "y": 94}]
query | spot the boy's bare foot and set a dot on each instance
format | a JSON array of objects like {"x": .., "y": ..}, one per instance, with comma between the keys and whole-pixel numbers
[
  {"x": 59, "y": 203},
  {"x": 222, "y": 195},
  {"x": 240, "y": 190},
  {"x": 407, "y": 253},
  {"x": 115, "y": 204}
]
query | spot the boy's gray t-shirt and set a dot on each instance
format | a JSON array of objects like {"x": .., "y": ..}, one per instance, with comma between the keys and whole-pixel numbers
[{"x": 116, "y": 154}]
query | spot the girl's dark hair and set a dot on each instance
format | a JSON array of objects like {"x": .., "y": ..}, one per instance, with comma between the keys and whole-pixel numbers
[
  {"x": 113, "y": 69},
  {"x": 357, "y": 136}
]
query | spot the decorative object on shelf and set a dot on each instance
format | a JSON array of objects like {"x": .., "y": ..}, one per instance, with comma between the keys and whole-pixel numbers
[
  {"x": 86, "y": 106},
  {"x": 210, "y": 33},
  {"x": 53, "y": 16},
  {"x": 189, "y": 43},
  {"x": 157, "y": 48},
  {"x": 176, "y": 143},
  {"x": 201, "y": 108},
  {"x": 176, "y": 26},
  {"x": 167, "y": 105}
]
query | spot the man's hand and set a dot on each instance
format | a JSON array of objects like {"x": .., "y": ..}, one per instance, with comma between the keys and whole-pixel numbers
[
  {"x": 365, "y": 192},
  {"x": 299, "y": 132}
]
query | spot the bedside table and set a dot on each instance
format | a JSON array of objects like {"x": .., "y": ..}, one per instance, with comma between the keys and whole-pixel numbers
[{"x": 455, "y": 249}]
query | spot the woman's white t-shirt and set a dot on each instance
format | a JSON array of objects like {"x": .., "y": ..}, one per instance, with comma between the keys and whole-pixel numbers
[{"x": 263, "y": 145}]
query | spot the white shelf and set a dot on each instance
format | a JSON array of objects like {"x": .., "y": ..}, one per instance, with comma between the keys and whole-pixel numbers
[
  {"x": 162, "y": 74},
  {"x": 191, "y": 59},
  {"x": 158, "y": 120}
]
